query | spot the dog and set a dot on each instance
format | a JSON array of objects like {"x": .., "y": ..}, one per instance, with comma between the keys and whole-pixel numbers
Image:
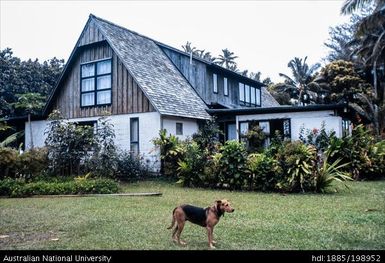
[{"x": 206, "y": 217}]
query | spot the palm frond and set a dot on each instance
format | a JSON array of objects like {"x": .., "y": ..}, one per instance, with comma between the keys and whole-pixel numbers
[{"x": 12, "y": 138}]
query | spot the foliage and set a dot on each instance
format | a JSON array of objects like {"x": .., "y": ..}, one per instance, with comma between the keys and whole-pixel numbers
[
  {"x": 375, "y": 168},
  {"x": 20, "y": 77},
  {"x": 232, "y": 166},
  {"x": 130, "y": 167},
  {"x": 227, "y": 59},
  {"x": 8, "y": 162},
  {"x": 318, "y": 138},
  {"x": 32, "y": 163},
  {"x": 264, "y": 172},
  {"x": 103, "y": 162},
  {"x": 191, "y": 168},
  {"x": 170, "y": 152},
  {"x": 255, "y": 138},
  {"x": 297, "y": 161},
  {"x": 207, "y": 136},
  {"x": 301, "y": 87},
  {"x": 357, "y": 150},
  {"x": 69, "y": 146},
  {"x": 20, "y": 188},
  {"x": 327, "y": 173}
]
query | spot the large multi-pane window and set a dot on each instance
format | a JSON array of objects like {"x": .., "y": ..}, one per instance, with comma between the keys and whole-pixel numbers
[
  {"x": 95, "y": 83},
  {"x": 249, "y": 95}
]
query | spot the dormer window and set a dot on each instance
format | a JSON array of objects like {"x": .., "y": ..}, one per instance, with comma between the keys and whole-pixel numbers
[
  {"x": 215, "y": 83},
  {"x": 249, "y": 96},
  {"x": 95, "y": 83}
]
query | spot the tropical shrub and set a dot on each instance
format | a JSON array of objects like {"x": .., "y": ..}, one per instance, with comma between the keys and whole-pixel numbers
[
  {"x": 8, "y": 162},
  {"x": 170, "y": 152},
  {"x": 191, "y": 168},
  {"x": 232, "y": 166},
  {"x": 32, "y": 163},
  {"x": 375, "y": 168},
  {"x": 103, "y": 162},
  {"x": 327, "y": 173},
  {"x": 352, "y": 149},
  {"x": 264, "y": 172},
  {"x": 130, "y": 167},
  {"x": 297, "y": 161},
  {"x": 69, "y": 146},
  {"x": 255, "y": 139},
  {"x": 319, "y": 138},
  {"x": 207, "y": 136}
]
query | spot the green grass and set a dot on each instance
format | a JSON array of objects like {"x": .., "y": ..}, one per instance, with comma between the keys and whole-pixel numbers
[{"x": 348, "y": 219}]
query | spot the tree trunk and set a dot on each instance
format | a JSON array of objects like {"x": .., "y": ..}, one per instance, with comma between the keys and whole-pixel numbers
[{"x": 30, "y": 129}]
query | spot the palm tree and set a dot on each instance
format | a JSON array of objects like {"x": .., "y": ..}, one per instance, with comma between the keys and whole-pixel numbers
[
  {"x": 227, "y": 59},
  {"x": 301, "y": 83},
  {"x": 370, "y": 36}
]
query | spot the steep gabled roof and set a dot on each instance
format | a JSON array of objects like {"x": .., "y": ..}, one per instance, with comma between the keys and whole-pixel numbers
[{"x": 168, "y": 91}]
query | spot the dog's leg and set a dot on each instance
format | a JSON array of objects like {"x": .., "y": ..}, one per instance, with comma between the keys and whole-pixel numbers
[
  {"x": 179, "y": 232},
  {"x": 173, "y": 234},
  {"x": 210, "y": 236}
]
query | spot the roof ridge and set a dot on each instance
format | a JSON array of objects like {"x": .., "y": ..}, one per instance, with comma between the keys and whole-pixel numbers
[{"x": 170, "y": 47}]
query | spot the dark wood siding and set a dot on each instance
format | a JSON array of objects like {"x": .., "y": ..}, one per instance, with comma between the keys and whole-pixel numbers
[
  {"x": 201, "y": 78},
  {"x": 127, "y": 97},
  {"x": 91, "y": 35}
]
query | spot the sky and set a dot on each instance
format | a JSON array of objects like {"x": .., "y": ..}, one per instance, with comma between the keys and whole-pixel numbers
[{"x": 265, "y": 35}]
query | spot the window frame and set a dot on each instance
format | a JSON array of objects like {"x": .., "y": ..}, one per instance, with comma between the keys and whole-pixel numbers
[
  {"x": 247, "y": 101},
  {"x": 176, "y": 128},
  {"x": 135, "y": 142},
  {"x": 225, "y": 87},
  {"x": 215, "y": 83},
  {"x": 95, "y": 81}
]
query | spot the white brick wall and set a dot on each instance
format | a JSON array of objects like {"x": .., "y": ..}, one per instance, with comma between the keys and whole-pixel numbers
[
  {"x": 190, "y": 126},
  {"x": 149, "y": 126}
]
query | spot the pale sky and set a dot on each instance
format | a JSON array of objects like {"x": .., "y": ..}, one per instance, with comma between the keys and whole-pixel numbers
[{"x": 265, "y": 35}]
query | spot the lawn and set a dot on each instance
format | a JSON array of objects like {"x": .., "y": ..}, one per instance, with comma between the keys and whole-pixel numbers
[{"x": 348, "y": 219}]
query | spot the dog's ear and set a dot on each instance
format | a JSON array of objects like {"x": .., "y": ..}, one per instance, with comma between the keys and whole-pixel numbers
[{"x": 218, "y": 202}]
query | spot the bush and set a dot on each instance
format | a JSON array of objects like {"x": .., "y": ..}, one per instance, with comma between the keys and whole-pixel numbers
[
  {"x": 170, "y": 153},
  {"x": 357, "y": 150},
  {"x": 318, "y": 138},
  {"x": 232, "y": 166},
  {"x": 375, "y": 168},
  {"x": 130, "y": 167},
  {"x": 32, "y": 163},
  {"x": 8, "y": 162},
  {"x": 191, "y": 167},
  {"x": 297, "y": 161},
  {"x": 264, "y": 172},
  {"x": 20, "y": 188}
]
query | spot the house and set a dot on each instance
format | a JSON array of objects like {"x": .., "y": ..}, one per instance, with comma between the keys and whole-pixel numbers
[{"x": 147, "y": 86}]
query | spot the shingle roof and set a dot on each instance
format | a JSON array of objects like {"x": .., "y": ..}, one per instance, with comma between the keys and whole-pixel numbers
[
  {"x": 169, "y": 92},
  {"x": 267, "y": 99}
]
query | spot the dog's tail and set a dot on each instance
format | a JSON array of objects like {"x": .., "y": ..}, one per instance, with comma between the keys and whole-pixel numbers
[{"x": 173, "y": 219}]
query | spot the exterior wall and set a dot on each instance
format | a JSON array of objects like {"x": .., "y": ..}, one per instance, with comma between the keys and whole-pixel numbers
[
  {"x": 127, "y": 97},
  {"x": 308, "y": 120},
  {"x": 189, "y": 126},
  {"x": 149, "y": 126}
]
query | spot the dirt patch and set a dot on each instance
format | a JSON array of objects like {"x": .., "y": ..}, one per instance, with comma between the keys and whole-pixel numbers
[{"x": 10, "y": 238}]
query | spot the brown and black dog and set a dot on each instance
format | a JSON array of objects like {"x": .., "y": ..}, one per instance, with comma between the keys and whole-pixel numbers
[{"x": 206, "y": 217}]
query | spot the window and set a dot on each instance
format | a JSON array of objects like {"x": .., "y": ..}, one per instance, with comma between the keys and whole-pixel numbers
[
  {"x": 231, "y": 133},
  {"x": 241, "y": 92},
  {"x": 249, "y": 95},
  {"x": 134, "y": 136},
  {"x": 95, "y": 83},
  {"x": 215, "y": 80},
  {"x": 225, "y": 88},
  {"x": 179, "y": 128}
]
